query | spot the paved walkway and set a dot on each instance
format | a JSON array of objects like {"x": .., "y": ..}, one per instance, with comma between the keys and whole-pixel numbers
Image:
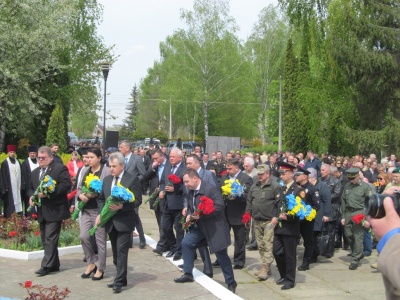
[{"x": 151, "y": 277}]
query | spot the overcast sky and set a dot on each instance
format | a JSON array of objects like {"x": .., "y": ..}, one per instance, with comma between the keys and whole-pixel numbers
[{"x": 136, "y": 28}]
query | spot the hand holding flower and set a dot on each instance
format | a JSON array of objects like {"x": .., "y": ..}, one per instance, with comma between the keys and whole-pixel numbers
[
  {"x": 115, "y": 207},
  {"x": 283, "y": 217}
]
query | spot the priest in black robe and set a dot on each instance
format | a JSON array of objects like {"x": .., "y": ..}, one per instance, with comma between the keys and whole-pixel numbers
[{"x": 29, "y": 164}]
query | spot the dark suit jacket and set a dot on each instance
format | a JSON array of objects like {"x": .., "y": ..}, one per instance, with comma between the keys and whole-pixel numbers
[
  {"x": 26, "y": 175},
  {"x": 372, "y": 177},
  {"x": 152, "y": 176},
  {"x": 135, "y": 166},
  {"x": 56, "y": 206},
  {"x": 237, "y": 207},
  {"x": 174, "y": 200},
  {"x": 214, "y": 226},
  {"x": 292, "y": 225},
  {"x": 124, "y": 219},
  {"x": 146, "y": 162}
]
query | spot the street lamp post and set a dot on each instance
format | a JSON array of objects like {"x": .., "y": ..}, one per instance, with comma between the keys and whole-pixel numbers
[{"x": 105, "y": 67}]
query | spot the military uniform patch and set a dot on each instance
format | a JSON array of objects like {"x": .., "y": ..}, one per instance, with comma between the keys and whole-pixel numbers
[{"x": 317, "y": 194}]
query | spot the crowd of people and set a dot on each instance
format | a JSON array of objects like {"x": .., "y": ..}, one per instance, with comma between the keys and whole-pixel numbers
[{"x": 178, "y": 182}]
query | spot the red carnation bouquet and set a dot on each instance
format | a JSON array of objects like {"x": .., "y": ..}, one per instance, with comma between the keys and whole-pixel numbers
[
  {"x": 173, "y": 179},
  {"x": 206, "y": 207},
  {"x": 246, "y": 219},
  {"x": 359, "y": 219}
]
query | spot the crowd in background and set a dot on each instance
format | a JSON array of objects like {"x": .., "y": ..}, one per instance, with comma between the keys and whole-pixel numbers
[{"x": 149, "y": 166}]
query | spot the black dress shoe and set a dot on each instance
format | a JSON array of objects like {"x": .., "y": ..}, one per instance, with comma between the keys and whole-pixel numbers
[
  {"x": 142, "y": 245},
  {"x": 177, "y": 256},
  {"x": 43, "y": 271},
  {"x": 215, "y": 264},
  {"x": 251, "y": 248},
  {"x": 111, "y": 285},
  {"x": 329, "y": 255},
  {"x": 353, "y": 266},
  {"x": 287, "y": 286},
  {"x": 180, "y": 266},
  {"x": 232, "y": 287},
  {"x": 117, "y": 289},
  {"x": 184, "y": 278},
  {"x": 159, "y": 252},
  {"x": 84, "y": 275},
  {"x": 303, "y": 267},
  {"x": 237, "y": 267},
  {"x": 211, "y": 275},
  {"x": 280, "y": 281},
  {"x": 54, "y": 269},
  {"x": 170, "y": 254}
]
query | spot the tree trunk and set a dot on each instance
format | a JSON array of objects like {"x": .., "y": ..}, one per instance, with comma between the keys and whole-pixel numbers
[
  {"x": 206, "y": 124},
  {"x": 2, "y": 136}
]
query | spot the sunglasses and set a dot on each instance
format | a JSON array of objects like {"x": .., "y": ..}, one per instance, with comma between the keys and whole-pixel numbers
[{"x": 380, "y": 178}]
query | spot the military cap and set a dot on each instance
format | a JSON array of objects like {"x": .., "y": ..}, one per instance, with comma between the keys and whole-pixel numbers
[
  {"x": 301, "y": 171},
  {"x": 396, "y": 171},
  {"x": 261, "y": 169},
  {"x": 352, "y": 173},
  {"x": 284, "y": 166}
]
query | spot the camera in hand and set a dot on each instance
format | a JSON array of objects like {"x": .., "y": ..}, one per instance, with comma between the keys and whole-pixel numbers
[{"x": 373, "y": 205}]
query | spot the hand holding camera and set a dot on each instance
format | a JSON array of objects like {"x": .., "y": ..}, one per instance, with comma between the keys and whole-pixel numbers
[{"x": 391, "y": 219}]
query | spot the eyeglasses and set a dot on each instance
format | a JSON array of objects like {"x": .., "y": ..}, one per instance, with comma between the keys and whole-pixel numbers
[
  {"x": 380, "y": 178},
  {"x": 42, "y": 157},
  {"x": 338, "y": 163}
]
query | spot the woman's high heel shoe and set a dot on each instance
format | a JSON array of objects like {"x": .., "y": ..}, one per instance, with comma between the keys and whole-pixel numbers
[
  {"x": 84, "y": 275},
  {"x": 98, "y": 278}
]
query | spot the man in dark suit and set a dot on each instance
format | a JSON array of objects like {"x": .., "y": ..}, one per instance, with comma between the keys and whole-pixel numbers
[
  {"x": 211, "y": 230},
  {"x": 235, "y": 209},
  {"x": 207, "y": 162},
  {"x": 121, "y": 225},
  {"x": 287, "y": 232},
  {"x": 54, "y": 208},
  {"x": 153, "y": 176},
  {"x": 134, "y": 165},
  {"x": 174, "y": 196},
  {"x": 147, "y": 162}
]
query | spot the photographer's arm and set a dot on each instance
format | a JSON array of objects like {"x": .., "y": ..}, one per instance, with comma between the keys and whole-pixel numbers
[{"x": 387, "y": 230}]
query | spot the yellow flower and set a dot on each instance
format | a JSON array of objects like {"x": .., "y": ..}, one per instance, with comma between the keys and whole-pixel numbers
[
  {"x": 50, "y": 188},
  {"x": 46, "y": 179},
  {"x": 133, "y": 196},
  {"x": 89, "y": 179},
  {"x": 312, "y": 215}
]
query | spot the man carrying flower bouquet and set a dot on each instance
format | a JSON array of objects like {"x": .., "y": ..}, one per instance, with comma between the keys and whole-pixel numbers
[
  {"x": 120, "y": 226},
  {"x": 235, "y": 209},
  {"x": 352, "y": 203},
  {"x": 287, "y": 228},
  {"x": 206, "y": 226},
  {"x": 53, "y": 209},
  {"x": 311, "y": 197},
  {"x": 172, "y": 191}
]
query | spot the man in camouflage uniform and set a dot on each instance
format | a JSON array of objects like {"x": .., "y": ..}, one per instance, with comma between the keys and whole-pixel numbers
[
  {"x": 353, "y": 197},
  {"x": 260, "y": 205}
]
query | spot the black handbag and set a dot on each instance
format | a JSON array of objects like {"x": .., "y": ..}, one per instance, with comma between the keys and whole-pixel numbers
[{"x": 323, "y": 240}]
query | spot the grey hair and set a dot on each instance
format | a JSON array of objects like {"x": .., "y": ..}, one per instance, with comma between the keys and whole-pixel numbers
[
  {"x": 177, "y": 150},
  {"x": 333, "y": 169},
  {"x": 45, "y": 149},
  {"x": 250, "y": 160},
  {"x": 127, "y": 143},
  {"x": 117, "y": 156}
]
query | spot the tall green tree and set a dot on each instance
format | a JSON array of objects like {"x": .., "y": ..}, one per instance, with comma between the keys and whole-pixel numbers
[
  {"x": 56, "y": 132},
  {"x": 130, "y": 122},
  {"x": 264, "y": 48},
  {"x": 205, "y": 68},
  {"x": 49, "y": 52}
]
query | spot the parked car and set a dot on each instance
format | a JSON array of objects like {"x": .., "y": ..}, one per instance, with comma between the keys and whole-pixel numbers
[{"x": 185, "y": 145}]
